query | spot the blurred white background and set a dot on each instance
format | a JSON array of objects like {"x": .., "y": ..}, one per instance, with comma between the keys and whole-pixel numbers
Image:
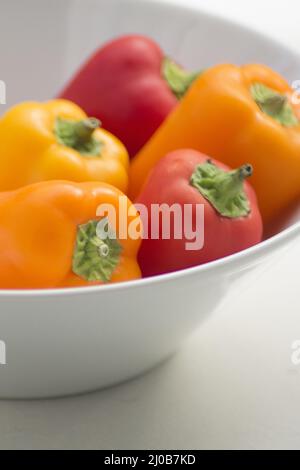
[
  {"x": 232, "y": 386},
  {"x": 277, "y": 18}
]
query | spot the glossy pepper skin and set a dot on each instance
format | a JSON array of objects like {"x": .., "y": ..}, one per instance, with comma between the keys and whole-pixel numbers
[
  {"x": 236, "y": 114},
  {"x": 130, "y": 86},
  {"x": 176, "y": 179},
  {"x": 48, "y": 239},
  {"x": 56, "y": 140}
]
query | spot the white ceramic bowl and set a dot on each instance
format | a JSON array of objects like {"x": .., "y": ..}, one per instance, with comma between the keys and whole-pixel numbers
[{"x": 68, "y": 341}]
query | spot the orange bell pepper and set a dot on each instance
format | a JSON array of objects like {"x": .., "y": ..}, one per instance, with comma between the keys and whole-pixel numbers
[
  {"x": 236, "y": 114},
  {"x": 49, "y": 237},
  {"x": 57, "y": 141}
]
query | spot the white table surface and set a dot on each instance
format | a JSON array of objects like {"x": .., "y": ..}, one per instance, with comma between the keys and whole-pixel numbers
[{"x": 233, "y": 385}]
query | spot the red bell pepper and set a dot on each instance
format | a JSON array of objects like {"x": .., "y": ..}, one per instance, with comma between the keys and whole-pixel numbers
[
  {"x": 131, "y": 87},
  {"x": 231, "y": 222}
]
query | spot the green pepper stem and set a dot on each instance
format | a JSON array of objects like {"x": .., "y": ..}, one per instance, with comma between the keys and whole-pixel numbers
[
  {"x": 95, "y": 259},
  {"x": 83, "y": 130},
  {"x": 178, "y": 79},
  {"x": 274, "y": 104},
  {"x": 230, "y": 184},
  {"x": 223, "y": 189},
  {"x": 79, "y": 135}
]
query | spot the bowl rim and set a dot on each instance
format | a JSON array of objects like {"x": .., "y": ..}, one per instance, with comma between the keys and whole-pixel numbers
[
  {"x": 216, "y": 266},
  {"x": 212, "y": 267}
]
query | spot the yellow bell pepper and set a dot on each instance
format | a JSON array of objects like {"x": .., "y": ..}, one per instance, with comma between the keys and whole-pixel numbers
[{"x": 57, "y": 141}]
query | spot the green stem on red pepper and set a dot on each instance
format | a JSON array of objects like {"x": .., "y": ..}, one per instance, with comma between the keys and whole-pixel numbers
[
  {"x": 178, "y": 79},
  {"x": 223, "y": 189}
]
